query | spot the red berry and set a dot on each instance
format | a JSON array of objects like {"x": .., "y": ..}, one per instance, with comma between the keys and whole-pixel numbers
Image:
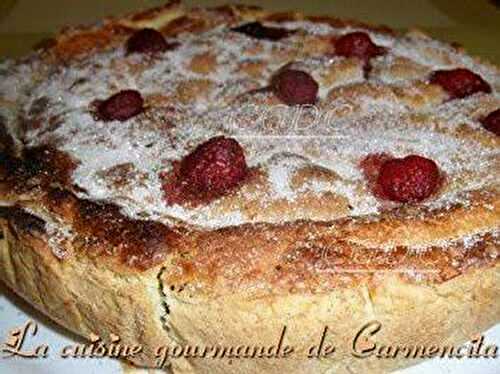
[
  {"x": 148, "y": 41},
  {"x": 357, "y": 44},
  {"x": 295, "y": 87},
  {"x": 492, "y": 122},
  {"x": 460, "y": 83},
  {"x": 258, "y": 31},
  {"x": 214, "y": 166},
  {"x": 409, "y": 179},
  {"x": 121, "y": 106}
]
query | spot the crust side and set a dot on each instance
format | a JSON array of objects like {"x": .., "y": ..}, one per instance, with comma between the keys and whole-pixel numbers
[
  {"x": 85, "y": 298},
  {"x": 82, "y": 295},
  {"x": 411, "y": 315}
]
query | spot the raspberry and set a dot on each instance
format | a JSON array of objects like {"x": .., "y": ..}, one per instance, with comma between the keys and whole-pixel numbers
[
  {"x": 148, "y": 41},
  {"x": 492, "y": 122},
  {"x": 258, "y": 31},
  {"x": 410, "y": 179},
  {"x": 460, "y": 83},
  {"x": 215, "y": 166},
  {"x": 357, "y": 44},
  {"x": 295, "y": 87},
  {"x": 121, "y": 106}
]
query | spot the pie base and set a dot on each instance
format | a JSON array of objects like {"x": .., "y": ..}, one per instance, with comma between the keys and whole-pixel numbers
[{"x": 88, "y": 298}]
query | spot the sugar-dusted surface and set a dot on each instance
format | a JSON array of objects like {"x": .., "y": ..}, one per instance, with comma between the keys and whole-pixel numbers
[{"x": 205, "y": 88}]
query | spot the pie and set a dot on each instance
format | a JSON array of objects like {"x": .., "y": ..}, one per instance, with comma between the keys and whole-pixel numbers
[{"x": 210, "y": 176}]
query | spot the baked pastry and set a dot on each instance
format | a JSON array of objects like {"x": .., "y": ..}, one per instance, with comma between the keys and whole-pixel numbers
[{"x": 209, "y": 176}]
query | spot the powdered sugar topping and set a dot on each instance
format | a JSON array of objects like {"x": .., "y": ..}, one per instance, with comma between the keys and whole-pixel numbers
[{"x": 187, "y": 104}]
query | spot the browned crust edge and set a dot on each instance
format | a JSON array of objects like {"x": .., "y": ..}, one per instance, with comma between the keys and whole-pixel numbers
[
  {"x": 88, "y": 298},
  {"x": 172, "y": 18},
  {"x": 301, "y": 256}
]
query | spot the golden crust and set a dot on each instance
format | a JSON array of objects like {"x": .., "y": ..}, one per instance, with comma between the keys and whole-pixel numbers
[{"x": 89, "y": 298}]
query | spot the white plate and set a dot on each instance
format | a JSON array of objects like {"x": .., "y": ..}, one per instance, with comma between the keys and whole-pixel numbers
[{"x": 15, "y": 312}]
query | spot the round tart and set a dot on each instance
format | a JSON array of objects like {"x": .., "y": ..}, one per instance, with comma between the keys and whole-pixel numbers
[{"x": 209, "y": 176}]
